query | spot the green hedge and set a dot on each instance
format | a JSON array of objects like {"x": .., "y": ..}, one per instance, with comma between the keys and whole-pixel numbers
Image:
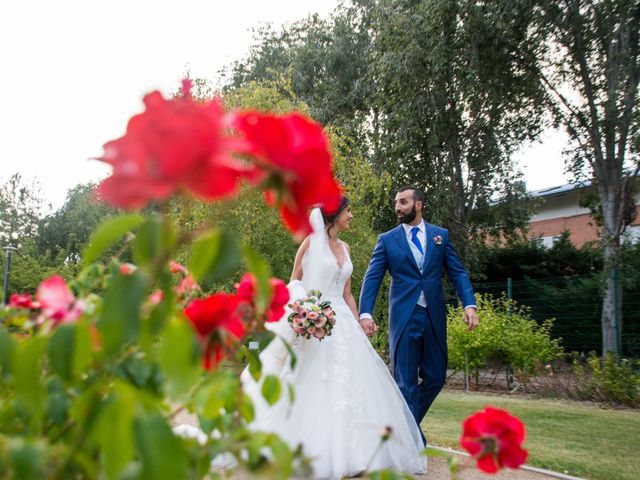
[{"x": 506, "y": 336}]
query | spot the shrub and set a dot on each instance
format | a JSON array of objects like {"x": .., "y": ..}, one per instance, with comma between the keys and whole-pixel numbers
[
  {"x": 611, "y": 379},
  {"x": 506, "y": 336}
]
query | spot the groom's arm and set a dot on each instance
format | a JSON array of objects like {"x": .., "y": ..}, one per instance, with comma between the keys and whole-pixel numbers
[
  {"x": 460, "y": 279},
  {"x": 372, "y": 279}
]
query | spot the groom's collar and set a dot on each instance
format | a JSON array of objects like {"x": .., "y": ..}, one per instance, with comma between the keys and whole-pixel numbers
[{"x": 407, "y": 228}]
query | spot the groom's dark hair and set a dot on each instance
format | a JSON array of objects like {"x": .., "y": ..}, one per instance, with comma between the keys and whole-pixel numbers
[{"x": 418, "y": 196}]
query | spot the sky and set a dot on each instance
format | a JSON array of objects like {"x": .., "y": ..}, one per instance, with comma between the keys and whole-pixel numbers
[{"x": 74, "y": 71}]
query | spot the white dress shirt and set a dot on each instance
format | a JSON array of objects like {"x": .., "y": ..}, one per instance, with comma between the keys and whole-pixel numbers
[{"x": 417, "y": 256}]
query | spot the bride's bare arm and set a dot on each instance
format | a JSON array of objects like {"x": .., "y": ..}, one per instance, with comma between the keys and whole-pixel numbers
[
  {"x": 348, "y": 297},
  {"x": 296, "y": 274}
]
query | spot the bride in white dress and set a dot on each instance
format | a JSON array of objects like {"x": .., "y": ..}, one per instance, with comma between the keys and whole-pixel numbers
[{"x": 345, "y": 396}]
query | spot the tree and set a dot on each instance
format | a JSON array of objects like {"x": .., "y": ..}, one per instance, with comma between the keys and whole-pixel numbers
[
  {"x": 590, "y": 67},
  {"x": 20, "y": 209},
  {"x": 68, "y": 229},
  {"x": 386, "y": 74},
  {"x": 452, "y": 103},
  {"x": 323, "y": 62}
]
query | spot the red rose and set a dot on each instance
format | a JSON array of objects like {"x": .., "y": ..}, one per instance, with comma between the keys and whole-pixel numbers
[
  {"x": 173, "y": 144},
  {"x": 22, "y": 300},
  {"x": 494, "y": 438},
  {"x": 294, "y": 152},
  {"x": 247, "y": 288},
  {"x": 57, "y": 301},
  {"x": 278, "y": 301},
  {"x": 213, "y": 318},
  {"x": 279, "y": 295}
]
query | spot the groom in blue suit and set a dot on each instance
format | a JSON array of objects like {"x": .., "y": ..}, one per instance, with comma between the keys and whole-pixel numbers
[{"x": 416, "y": 253}]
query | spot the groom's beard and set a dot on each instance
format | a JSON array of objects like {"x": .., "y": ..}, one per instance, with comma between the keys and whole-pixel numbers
[{"x": 408, "y": 217}]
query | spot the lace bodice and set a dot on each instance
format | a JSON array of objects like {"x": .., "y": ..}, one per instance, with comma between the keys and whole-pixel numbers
[{"x": 331, "y": 283}]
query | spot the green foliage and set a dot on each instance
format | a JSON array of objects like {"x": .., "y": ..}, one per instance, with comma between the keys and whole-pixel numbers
[
  {"x": 567, "y": 283},
  {"x": 610, "y": 379},
  {"x": 523, "y": 259},
  {"x": 66, "y": 232},
  {"x": 55, "y": 243},
  {"x": 93, "y": 398},
  {"x": 507, "y": 336}
]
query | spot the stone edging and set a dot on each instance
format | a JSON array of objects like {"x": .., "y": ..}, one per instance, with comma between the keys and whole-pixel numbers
[{"x": 549, "y": 473}]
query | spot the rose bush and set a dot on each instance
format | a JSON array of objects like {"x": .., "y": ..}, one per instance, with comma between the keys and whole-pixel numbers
[{"x": 94, "y": 371}]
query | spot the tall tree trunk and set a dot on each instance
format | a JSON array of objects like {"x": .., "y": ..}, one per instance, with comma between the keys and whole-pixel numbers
[{"x": 611, "y": 318}]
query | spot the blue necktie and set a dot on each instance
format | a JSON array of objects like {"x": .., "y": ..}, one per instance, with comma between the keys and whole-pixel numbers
[{"x": 415, "y": 240}]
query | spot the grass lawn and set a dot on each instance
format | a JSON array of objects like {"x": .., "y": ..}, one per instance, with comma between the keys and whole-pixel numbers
[{"x": 578, "y": 439}]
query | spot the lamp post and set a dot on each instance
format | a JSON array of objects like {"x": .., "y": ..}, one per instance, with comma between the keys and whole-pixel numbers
[{"x": 8, "y": 249}]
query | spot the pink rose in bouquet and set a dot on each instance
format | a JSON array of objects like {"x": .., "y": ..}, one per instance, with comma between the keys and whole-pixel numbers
[
  {"x": 319, "y": 333},
  {"x": 310, "y": 317}
]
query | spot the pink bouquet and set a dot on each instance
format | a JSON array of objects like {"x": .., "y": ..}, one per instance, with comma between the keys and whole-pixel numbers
[{"x": 310, "y": 317}]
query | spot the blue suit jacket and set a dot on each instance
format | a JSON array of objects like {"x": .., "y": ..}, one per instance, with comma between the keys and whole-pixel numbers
[{"x": 392, "y": 253}]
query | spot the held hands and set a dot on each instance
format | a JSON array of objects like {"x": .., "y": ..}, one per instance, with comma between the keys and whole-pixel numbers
[
  {"x": 368, "y": 326},
  {"x": 470, "y": 318}
]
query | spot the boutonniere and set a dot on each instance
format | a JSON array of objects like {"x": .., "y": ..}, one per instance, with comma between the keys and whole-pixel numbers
[{"x": 437, "y": 240}]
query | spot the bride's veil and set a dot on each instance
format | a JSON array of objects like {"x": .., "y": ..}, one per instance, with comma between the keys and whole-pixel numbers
[
  {"x": 314, "y": 274},
  {"x": 276, "y": 353}
]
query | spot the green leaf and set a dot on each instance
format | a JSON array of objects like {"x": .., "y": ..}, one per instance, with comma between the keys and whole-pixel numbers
[
  {"x": 162, "y": 453},
  {"x": 261, "y": 270},
  {"x": 214, "y": 256},
  {"x": 161, "y": 311},
  {"x": 222, "y": 392},
  {"x": 178, "y": 358},
  {"x": 82, "y": 349},
  {"x": 27, "y": 458},
  {"x": 292, "y": 393},
  {"x": 246, "y": 408},
  {"x": 58, "y": 402},
  {"x": 61, "y": 351},
  {"x": 137, "y": 370},
  {"x": 70, "y": 350},
  {"x": 271, "y": 389},
  {"x": 120, "y": 319},
  {"x": 113, "y": 431},
  {"x": 7, "y": 349},
  {"x": 108, "y": 233},
  {"x": 255, "y": 365},
  {"x": 293, "y": 360},
  {"x": 30, "y": 390},
  {"x": 154, "y": 237}
]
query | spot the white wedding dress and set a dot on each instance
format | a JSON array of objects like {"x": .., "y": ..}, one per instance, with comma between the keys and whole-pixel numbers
[{"x": 344, "y": 393}]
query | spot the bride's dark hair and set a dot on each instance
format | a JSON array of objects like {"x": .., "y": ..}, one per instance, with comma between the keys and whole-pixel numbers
[{"x": 330, "y": 220}]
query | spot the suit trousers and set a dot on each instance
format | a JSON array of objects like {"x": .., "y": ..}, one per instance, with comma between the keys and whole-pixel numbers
[{"x": 420, "y": 365}]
